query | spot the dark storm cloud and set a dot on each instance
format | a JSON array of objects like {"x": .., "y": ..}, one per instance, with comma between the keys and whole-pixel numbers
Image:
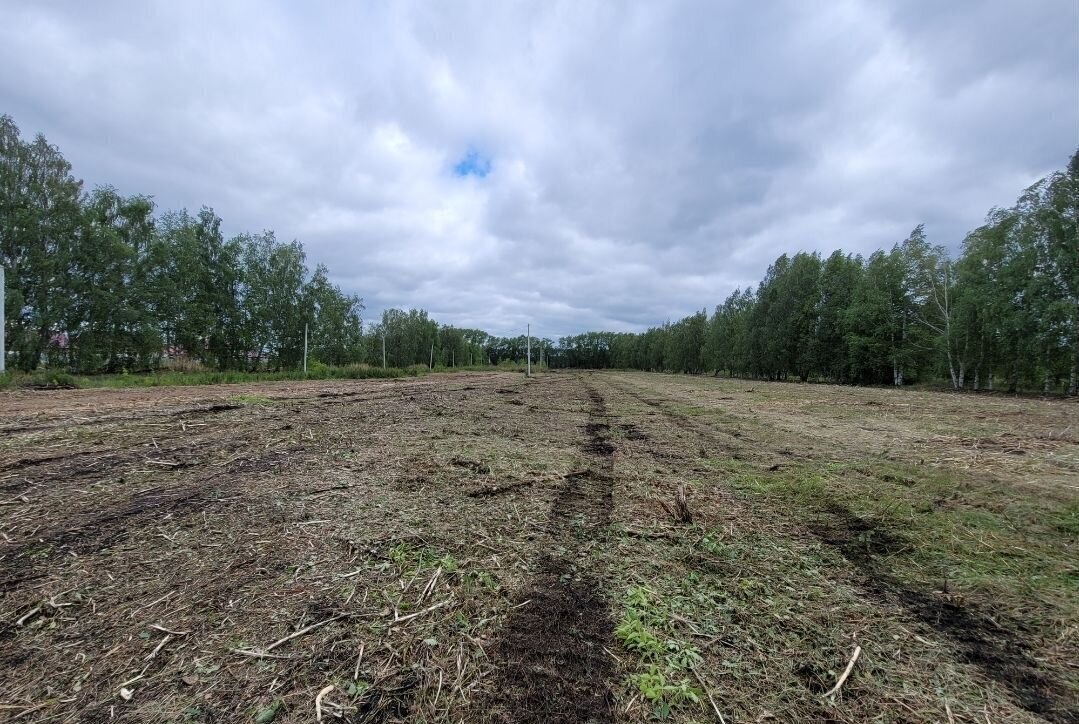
[{"x": 644, "y": 159}]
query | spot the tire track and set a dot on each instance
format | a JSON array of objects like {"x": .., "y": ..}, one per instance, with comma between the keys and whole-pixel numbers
[{"x": 551, "y": 662}]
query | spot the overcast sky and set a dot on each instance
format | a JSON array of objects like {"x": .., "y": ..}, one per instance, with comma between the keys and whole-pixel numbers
[{"x": 577, "y": 165}]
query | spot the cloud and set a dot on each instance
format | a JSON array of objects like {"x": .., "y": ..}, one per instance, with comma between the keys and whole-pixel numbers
[{"x": 576, "y": 165}]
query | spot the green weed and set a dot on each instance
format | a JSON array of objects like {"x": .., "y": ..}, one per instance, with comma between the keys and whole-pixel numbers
[{"x": 645, "y": 629}]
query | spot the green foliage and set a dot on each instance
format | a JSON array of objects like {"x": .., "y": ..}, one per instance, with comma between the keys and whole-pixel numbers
[
  {"x": 170, "y": 379},
  {"x": 655, "y": 687},
  {"x": 268, "y": 713},
  {"x": 1006, "y": 309},
  {"x": 357, "y": 688},
  {"x": 1067, "y": 520},
  {"x": 39, "y": 379},
  {"x": 665, "y": 659},
  {"x": 411, "y": 558}
]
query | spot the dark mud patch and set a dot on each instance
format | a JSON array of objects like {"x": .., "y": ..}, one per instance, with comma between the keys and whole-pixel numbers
[
  {"x": 551, "y": 662},
  {"x": 632, "y": 432},
  {"x": 388, "y": 700},
  {"x": 599, "y": 405},
  {"x": 211, "y": 410},
  {"x": 815, "y": 678},
  {"x": 983, "y": 639},
  {"x": 597, "y": 443},
  {"x": 585, "y": 500}
]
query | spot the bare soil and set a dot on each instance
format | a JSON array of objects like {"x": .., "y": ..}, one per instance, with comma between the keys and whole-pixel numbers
[{"x": 487, "y": 547}]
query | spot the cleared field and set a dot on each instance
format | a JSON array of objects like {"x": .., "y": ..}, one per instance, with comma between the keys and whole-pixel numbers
[{"x": 487, "y": 548}]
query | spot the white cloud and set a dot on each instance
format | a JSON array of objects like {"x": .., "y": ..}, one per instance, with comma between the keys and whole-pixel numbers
[{"x": 645, "y": 158}]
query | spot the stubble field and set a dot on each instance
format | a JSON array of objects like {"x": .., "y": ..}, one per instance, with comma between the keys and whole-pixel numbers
[{"x": 483, "y": 547}]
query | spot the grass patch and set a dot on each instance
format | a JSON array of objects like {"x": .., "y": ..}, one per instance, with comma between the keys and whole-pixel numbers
[
  {"x": 46, "y": 379},
  {"x": 930, "y": 527},
  {"x": 39, "y": 380},
  {"x": 55, "y": 379}
]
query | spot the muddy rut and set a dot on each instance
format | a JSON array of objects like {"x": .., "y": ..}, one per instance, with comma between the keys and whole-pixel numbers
[{"x": 551, "y": 659}]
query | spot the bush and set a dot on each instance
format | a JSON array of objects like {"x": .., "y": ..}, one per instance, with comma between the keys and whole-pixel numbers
[{"x": 38, "y": 380}]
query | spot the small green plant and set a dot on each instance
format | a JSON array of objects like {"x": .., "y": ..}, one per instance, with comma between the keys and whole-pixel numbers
[
  {"x": 664, "y": 693},
  {"x": 712, "y": 544},
  {"x": 645, "y": 630},
  {"x": 638, "y": 637},
  {"x": 411, "y": 559},
  {"x": 485, "y": 579},
  {"x": 268, "y": 713}
]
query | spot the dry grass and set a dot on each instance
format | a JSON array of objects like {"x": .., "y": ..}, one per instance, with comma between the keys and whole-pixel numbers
[{"x": 482, "y": 547}]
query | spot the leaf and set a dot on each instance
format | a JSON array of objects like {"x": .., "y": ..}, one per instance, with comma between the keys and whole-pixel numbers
[{"x": 269, "y": 713}]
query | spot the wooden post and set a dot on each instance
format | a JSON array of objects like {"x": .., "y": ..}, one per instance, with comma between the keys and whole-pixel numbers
[
  {"x": 305, "y": 348},
  {"x": 528, "y": 353}
]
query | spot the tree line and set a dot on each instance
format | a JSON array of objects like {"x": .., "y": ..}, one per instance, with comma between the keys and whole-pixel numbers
[
  {"x": 102, "y": 282},
  {"x": 1003, "y": 314},
  {"x": 97, "y": 283}
]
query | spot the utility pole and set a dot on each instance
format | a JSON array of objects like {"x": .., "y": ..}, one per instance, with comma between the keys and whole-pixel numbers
[
  {"x": 384, "y": 349},
  {"x": 528, "y": 353},
  {"x": 3, "y": 350},
  {"x": 305, "y": 348}
]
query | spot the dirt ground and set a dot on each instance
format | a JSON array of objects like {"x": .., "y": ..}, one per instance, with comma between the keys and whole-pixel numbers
[{"x": 484, "y": 547}]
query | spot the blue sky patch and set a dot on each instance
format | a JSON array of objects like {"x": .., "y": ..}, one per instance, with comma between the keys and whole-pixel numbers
[{"x": 472, "y": 164}]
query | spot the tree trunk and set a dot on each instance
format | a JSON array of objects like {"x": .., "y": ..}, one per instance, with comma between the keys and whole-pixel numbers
[{"x": 977, "y": 380}]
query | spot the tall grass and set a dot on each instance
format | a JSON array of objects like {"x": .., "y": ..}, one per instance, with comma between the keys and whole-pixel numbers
[
  {"x": 196, "y": 375},
  {"x": 52, "y": 379}
]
